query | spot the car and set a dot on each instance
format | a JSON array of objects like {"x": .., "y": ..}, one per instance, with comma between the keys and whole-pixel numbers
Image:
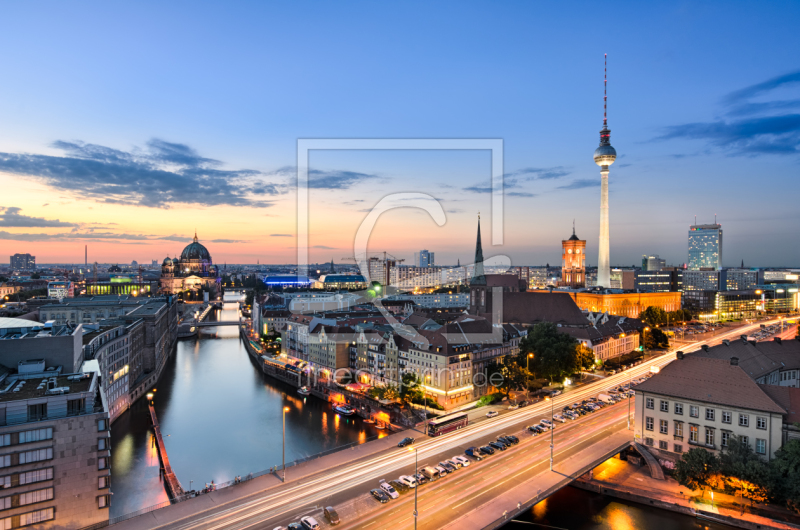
[
  {"x": 309, "y": 523},
  {"x": 331, "y": 515},
  {"x": 443, "y": 471},
  {"x": 559, "y": 418},
  {"x": 388, "y": 489},
  {"x": 279, "y": 528},
  {"x": 294, "y": 526},
  {"x": 461, "y": 460},
  {"x": 536, "y": 429},
  {"x": 514, "y": 439},
  {"x": 454, "y": 462},
  {"x": 405, "y": 441},
  {"x": 498, "y": 445},
  {"x": 524, "y": 403},
  {"x": 487, "y": 450},
  {"x": 409, "y": 481},
  {"x": 421, "y": 479},
  {"x": 448, "y": 466},
  {"x": 546, "y": 422},
  {"x": 508, "y": 440},
  {"x": 475, "y": 453},
  {"x": 492, "y": 414},
  {"x": 513, "y": 407},
  {"x": 399, "y": 486},
  {"x": 380, "y": 496}
]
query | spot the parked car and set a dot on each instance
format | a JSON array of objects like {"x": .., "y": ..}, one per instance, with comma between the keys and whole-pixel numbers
[
  {"x": 461, "y": 460},
  {"x": 399, "y": 486},
  {"x": 454, "y": 462},
  {"x": 508, "y": 440},
  {"x": 448, "y": 466},
  {"x": 421, "y": 479},
  {"x": 295, "y": 526},
  {"x": 536, "y": 429},
  {"x": 331, "y": 515},
  {"x": 492, "y": 414},
  {"x": 388, "y": 489},
  {"x": 380, "y": 496},
  {"x": 409, "y": 481},
  {"x": 524, "y": 403},
  {"x": 431, "y": 473},
  {"x": 546, "y": 422},
  {"x": 443, "y": 471},
  {"x": 513, "y": 407},
  {"x": 487, "y": 450},
  {"x": 405, "y": 441},
  {"x": 559, "y": 417},
  {"x": 474, "y": 452},
  {"x": 498, "y": 445},
  {"x": 309, "y": 523}
]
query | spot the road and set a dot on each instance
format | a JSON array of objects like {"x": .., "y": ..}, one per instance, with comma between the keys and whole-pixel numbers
[{"x": 347, "y": 486}]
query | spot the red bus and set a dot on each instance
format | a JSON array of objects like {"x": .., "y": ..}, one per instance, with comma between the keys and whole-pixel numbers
[{"x": 447, "y": 424}]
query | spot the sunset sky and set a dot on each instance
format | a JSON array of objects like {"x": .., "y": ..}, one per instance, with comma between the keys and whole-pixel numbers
[{"x": 128, "y": 126}]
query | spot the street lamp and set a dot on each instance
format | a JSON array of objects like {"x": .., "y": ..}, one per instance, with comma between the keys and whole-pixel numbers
[
  {"x": 552, "y": 430},
  {"x": 283, "y": 458},
  {"x": 528, "y": 388},
  {"x": 150, "y": 397},
  {"x": 416, "y": 484}
]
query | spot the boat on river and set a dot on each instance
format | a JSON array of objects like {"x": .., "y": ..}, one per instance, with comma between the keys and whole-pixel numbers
[
  {"x": 369, "y": 420},
  {"x": 303, "y": 391},
  {"x": 344, "y": 410}
]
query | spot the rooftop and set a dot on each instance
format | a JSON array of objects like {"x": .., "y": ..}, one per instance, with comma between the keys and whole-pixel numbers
[
  {"x": 757, "y": 358},
  {"x": 14, "y": 388}
]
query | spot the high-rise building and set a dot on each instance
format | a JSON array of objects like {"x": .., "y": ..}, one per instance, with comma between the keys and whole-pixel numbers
[
  {"x": 424, "y": 258},
  {"x": 23, "y": 262},
  {"x": 653, "y": 263},
  {"x": 573, "y": 261},
  {"x": 705, "y": 247},
  {"x": 604, "y": 156}
]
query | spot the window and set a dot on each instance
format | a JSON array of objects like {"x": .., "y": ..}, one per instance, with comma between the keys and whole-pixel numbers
[
  {"x": 745, "y": 441},
  {"x": 32, "y": 497},
  {"x": 648, "y": 441},
  {"x": 36, "y": 435},
  {"x": 26, "y": 519},
  {"x": 761, "y": 446},
  {"x": 664, "y": 406},
  {"x": 102, "y": 463},
  {"x": 744, "y": 420},
  {"x": 679, "y": 408},
  {"x": 101, "y": 425},
  {"x": 710, "y": 437},
  {"x": 37, "y": 455},
  {"x": 725, "y": 437},
  {"x": 649, "y": 403},
  {"x": 761, "y": 422},
  {"x": 693, "y": 433},
  {"x": 103, "y": 482},
  {"x": 662, "y": 444},
  {"x": 678, "y": 448},
  {"x": 648, "y": 424},
  {"x": 709, "y": 414},
  {"x": 663, "y": 427},
  {"x": 5, "y": 440},
  {"x": 75, "y": 406},
  {"x": 102, "y": 501},
  {"x": 102, "y": 444},
  {"x": 726, "y": 416},
  {"x": 37, "y": 412},
  {"x": 679, "y": 429},
  {"x": 694, "y": 412},
  {"x": 38, "y": 475}
]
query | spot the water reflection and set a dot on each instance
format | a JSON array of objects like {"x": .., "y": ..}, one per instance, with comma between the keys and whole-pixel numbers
[{"x": 223, "y": 418}]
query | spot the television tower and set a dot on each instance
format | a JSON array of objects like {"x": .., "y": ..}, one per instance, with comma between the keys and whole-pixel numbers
[{"x": 604, "y": 156}]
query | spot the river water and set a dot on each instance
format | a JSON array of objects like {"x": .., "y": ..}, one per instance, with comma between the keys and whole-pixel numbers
[{"x": 220, "y": 417}]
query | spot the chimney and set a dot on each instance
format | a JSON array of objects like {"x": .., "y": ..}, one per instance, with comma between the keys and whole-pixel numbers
[
  {"x": 726, "y": 342},
  {"x": 734, "y": 361},
  {"x": 777, "y": 339},
  {"x": 704, "y": 347},
  {"x": 680, "y": 355}
]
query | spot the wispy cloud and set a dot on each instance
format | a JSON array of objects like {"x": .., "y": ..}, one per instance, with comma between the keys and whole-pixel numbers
[
  {"x": 536, "y": 173},
  {"x": 580, "y": 184},
  {"x": 12, "y": 218},
  {"x": 229, "y": 241},
  {"x": 323, "y": 247},
  {"x": 323, "y": 179},
  {"x": 160, "y": 175},
  {"x": 280, "y": 235},
  {"x": 752, "y": 127}
]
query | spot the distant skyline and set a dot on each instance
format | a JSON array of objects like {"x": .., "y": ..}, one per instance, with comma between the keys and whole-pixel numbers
[{"x": 127, "y": 127}]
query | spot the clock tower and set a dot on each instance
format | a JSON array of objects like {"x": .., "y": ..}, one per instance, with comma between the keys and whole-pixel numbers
[{"x": 573, "y": 261}]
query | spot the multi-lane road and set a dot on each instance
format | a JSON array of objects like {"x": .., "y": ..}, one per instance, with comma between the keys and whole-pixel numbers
[{"x": 346, "y": 486}]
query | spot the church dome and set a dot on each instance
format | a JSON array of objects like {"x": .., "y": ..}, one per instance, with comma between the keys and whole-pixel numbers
[
  {"x": 195, "y": 251},
  {"x": 167, "y": 262}
]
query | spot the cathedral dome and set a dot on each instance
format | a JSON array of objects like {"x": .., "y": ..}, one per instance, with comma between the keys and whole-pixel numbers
[
  {"x": 167, "y": 262},
  {"x": 195, "y": 251}
]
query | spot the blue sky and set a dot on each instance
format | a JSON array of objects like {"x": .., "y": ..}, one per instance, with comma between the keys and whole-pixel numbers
[{"x": 192, "y": 110}]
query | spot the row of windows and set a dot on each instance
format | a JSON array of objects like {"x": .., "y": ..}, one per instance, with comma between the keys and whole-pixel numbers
[
  {"x": 28, "y": 477},
  {"x": 694, "y": 434},
  {"x": 26, "y": 457},
  {"x": 710, "y": 413},
  {"x": 24, "y": 499},
  {"x": 27, "y": 519},
  {"x": 33, "y": 435}
]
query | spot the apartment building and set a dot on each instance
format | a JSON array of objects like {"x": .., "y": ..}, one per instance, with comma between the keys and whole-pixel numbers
[
  {"x": 54, "y": 449},
  {"x": 328, "y": 349},
  {"x": 775, "y": 362},
  {"x": 701, "y": 402}
]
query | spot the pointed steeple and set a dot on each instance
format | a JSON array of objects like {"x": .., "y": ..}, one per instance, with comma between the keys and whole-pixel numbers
[
  {"x": 195, "y": 235},
  {"x": 478, "y": 277}
]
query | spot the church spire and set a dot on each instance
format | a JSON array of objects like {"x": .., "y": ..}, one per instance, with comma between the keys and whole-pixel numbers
[
  {"x": 478, "y": 278},
  {"x": 195, "y": 235}
]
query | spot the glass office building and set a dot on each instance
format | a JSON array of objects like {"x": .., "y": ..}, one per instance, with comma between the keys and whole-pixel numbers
[{"x": 705, "y": 247}]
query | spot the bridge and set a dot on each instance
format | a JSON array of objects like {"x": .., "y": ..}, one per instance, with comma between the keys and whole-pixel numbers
[
  {"x": 218, "y": 323},
  {"x": 484, "y": 495}
]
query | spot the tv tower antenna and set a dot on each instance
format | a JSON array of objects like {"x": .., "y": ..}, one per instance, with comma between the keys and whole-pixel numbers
[{"x": 605, "y": 93}]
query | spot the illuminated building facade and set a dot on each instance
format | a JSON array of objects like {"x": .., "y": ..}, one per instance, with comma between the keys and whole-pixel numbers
[
  {"x": 705, "y": 247},
  {"x": 573, "y": 261},
  {"x": 625, "y": 304},
  {"x": 193, "y": 272}
]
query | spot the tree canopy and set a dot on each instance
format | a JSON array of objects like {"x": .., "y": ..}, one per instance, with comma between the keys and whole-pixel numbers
[{"x": 555, "y": 354}]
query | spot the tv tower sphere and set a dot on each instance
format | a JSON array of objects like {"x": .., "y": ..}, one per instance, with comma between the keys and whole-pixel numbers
[{"x": 605, "y": 155}]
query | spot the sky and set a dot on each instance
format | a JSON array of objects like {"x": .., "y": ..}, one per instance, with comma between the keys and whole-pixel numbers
[{"x": 126, "y": 127}]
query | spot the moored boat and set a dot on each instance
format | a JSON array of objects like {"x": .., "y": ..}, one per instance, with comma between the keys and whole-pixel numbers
[
  {"x": 345, "y": 410},
  {"x": 303, "y": 391}
]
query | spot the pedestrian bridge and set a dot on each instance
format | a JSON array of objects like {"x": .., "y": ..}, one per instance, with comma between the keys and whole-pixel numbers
[{"x": 218, "y": 323}]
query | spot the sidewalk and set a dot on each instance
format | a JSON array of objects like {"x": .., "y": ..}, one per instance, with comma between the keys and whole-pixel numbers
[{"x": 621, "y": 479}]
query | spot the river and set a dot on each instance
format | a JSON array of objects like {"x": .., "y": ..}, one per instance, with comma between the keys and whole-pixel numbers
[{"x": 220, "y": 417}]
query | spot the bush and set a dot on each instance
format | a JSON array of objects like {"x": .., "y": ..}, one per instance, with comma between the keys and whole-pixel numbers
[{"x": 489, "y": 399}]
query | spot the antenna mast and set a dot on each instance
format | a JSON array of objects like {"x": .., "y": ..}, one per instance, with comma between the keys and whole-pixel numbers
[{"x": 605, "y": 93}]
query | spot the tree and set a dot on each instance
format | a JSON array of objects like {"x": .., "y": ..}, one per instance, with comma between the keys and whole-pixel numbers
[
  {"x": 681, "y": 315},
  {"x": 653, "y": 316},
  {"x": 655, "y": 338},
  {"x": 555, "y": 353},
  {"x": 696, "y": 469},
  {"x": 585, "y": 357},
  {"x": 745, "y": 473},
  {"x": 499, "y": 377},
  {"x": 786, "y": 472},
  {"x": 410, "y": 388},
  {"x": 36, "y": 276}
]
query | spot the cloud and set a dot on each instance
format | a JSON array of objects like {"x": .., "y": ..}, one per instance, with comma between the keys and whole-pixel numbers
[
  {"x": 537, "y": 173},
  {"x": 323, "y": 247},
  {"x": 580, "y": 184},
  {"x": 750, "y": 127},
  {"x": 228, "y": 241},
  {"x": 158, "y": 176},
  {"x": 323, "y": 179},
  {"x": 10, "y": 217},
  {"x": 280, "y": 235},
  {"x": 89, "y": 233},
  {"x": 519, "y": 194}
]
